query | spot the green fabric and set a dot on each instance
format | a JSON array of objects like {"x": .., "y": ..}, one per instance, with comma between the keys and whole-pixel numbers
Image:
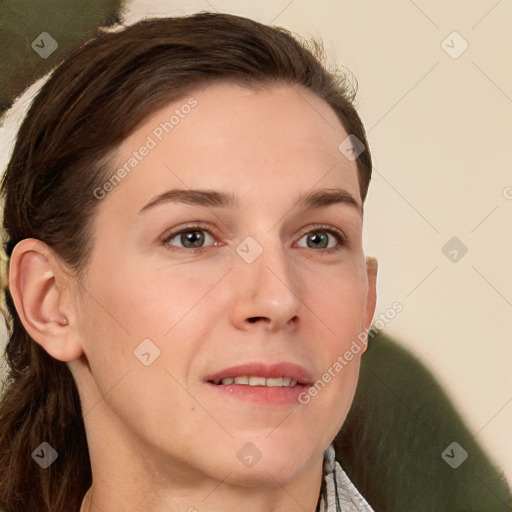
[
  {"x": 69, "y": 22},
  {"x": 400, "y": 423}
]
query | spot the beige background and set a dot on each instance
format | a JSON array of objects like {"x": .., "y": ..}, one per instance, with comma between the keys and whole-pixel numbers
[{"x": 440, "y": 129}]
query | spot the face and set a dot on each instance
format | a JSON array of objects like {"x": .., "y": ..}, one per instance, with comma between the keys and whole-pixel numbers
[{"x": 187, "y": 291}]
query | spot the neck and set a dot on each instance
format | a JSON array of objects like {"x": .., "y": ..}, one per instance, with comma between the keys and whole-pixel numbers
[
  {"x": 125, "y": 490},
  {"x": 129, "y": 476}
]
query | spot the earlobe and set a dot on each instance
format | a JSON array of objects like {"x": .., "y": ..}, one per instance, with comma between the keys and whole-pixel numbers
[
  {"x": 371, "y": 297},
  {"x": 36, "y": 283}
]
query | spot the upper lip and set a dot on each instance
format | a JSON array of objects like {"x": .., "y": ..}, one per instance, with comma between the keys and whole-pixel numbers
[{"x": 258, "y": 369}]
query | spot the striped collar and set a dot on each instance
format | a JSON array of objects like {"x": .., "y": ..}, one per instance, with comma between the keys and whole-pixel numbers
[{"x": 338, "y": 493}]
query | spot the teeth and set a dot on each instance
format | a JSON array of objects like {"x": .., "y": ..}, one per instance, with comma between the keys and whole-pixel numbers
[
  {"x": 257, "y": 381},
  {"x": 260, "y": 381}
]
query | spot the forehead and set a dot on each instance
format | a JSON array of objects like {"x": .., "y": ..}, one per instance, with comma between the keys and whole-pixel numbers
[{"x": 273, "y": 140}]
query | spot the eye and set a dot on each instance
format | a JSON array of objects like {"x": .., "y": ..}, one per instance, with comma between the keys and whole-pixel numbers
[
  {"x": 191, "y": 237},
  {"x": 197, "y": 237},
  {"x": 321, "y": 237}
]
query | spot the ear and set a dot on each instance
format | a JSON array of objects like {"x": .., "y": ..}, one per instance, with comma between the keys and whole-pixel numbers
[
  {"x": 371, "y": 296},
  {"x": 39, "y": 286}
]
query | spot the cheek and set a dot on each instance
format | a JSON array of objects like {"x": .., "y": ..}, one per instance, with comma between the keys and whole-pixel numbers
[
  {"x": 340, "y": 304},
  {"x": 138, "y": 324},
  {"x": 344, "y": 390},
  {"x": 132, "y": 375},
  {"x": 339, "y": 299},
  {"x": 149, "y": 300},
  {"x": 329, "y": 400}
]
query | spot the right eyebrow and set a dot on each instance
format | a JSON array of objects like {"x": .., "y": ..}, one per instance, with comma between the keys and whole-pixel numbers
[{"x": 197, "y": 197}]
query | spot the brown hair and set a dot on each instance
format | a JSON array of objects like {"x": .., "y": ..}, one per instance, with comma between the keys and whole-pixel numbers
[{"x": 90, "y": 104}]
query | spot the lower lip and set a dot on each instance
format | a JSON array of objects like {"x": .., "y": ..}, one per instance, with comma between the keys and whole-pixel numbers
[{"x": 262, "y": 395}]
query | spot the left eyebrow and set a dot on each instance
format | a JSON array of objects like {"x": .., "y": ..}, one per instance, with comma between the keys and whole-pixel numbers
[
  {"x": 216, "y": 199},
  {"x": 327, "y": 197}
]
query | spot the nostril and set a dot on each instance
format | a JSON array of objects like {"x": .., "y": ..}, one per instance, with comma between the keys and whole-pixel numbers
[{"x": 255, "y": 319}]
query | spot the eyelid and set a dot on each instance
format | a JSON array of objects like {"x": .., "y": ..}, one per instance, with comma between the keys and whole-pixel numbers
[{"x": 328, "y": 228}]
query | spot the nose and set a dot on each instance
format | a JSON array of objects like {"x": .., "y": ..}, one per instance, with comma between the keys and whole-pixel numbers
[{"x": 267, "y": 292}]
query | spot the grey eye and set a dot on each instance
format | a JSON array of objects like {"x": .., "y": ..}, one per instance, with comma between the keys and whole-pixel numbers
[
  {"x": 190, "y": 238},
  {"x": 319, "y": 239}
]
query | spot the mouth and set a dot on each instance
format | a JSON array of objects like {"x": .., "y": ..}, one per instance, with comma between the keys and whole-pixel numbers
[
  {"x": 253, "y": 380},
  {"x": 258, "y": 383}
]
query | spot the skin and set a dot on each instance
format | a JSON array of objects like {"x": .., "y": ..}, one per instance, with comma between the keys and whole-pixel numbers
[{"x": 160, "y": 438}]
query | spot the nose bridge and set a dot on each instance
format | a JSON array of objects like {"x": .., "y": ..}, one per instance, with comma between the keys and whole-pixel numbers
[{"x": 269, "y": 286}]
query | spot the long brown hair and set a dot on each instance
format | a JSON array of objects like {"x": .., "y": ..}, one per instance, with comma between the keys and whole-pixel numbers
[{"x": 91, "y": 103}]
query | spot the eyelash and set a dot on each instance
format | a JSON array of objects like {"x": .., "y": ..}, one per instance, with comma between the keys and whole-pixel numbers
[{"x": 337, "y": 233}]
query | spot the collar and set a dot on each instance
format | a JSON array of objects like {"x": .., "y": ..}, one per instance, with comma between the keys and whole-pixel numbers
[{"x": 338, "y": 493}]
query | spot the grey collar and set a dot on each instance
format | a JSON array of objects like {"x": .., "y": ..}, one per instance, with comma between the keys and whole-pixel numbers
[{"x": 338, "y": 493}]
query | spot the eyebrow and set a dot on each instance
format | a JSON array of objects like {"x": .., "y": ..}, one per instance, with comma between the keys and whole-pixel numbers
[{"x": 215, "y": 199}]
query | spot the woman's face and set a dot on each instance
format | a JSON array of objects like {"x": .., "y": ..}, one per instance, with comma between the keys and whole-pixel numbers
[{"x": 258, "y": 284}]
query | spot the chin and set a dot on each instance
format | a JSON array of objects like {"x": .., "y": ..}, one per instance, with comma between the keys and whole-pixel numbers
[
  {"x": 267, "y": 473},
  {"x": 265, "y": 463}
]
